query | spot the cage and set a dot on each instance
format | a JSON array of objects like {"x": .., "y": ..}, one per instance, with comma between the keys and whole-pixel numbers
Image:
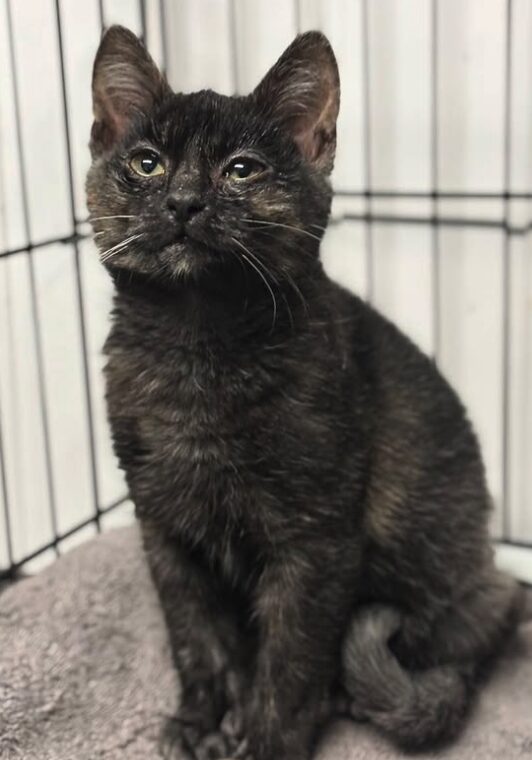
[{"x": 431, "y": 222}]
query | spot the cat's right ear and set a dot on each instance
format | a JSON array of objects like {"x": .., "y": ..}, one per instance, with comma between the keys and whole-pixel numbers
[{"x": 125, "y": 82}]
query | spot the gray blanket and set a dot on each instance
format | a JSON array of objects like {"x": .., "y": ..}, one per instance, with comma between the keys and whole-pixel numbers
[{"x": 85, "y": 671}]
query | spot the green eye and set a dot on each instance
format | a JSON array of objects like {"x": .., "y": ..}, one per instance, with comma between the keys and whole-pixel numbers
[
  {"x": 147, "y": 164},
  {"x": 241, "y": 169}
]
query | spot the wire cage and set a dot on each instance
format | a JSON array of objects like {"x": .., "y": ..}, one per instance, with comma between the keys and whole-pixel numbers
[{"x": 409, "y": 224}]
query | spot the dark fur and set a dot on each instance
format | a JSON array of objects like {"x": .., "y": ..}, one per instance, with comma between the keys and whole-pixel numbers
[{"x": 305, "y": 479}]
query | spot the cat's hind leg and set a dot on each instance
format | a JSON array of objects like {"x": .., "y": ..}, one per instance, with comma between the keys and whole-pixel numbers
[{"x": 416, "y": 682}]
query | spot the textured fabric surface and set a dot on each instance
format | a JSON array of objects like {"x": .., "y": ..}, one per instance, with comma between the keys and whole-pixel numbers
[{"x": 85, "y": 671}]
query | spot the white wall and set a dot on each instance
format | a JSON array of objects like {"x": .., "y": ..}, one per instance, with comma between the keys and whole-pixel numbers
[{"x": 396, "y": 133}]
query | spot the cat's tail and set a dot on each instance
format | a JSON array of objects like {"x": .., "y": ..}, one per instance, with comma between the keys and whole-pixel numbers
[{"x": 415, "y": 708}]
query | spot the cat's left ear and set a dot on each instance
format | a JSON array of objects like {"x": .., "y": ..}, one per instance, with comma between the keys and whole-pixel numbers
[
  {"x": 125, "y": 82},
  {"x": 302, "y": 91}
]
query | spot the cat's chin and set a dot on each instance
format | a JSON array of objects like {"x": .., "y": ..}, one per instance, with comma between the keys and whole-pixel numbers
[{"x": 188, "y": 258}]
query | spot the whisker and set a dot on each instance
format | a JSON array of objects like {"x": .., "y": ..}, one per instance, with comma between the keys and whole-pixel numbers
[
  {"x": 276, "y": 281},
  {"x": 285, "y": 226},
  {"x": 115, "y": 249},
  {"x": 290, "y": 313},
  {"x": 238, "y": 258},
  {"x": 298, "y": 291},
  {"x": 290, "y": 281},
  {"x": 298, "y": 244},
  {"x": 255, "y": 267},
  {"x": 262, "y": 265}
]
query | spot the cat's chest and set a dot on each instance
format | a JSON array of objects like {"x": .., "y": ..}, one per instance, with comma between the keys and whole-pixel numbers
[
  {"x": 189, "y": 395},
  {"x": 193, "y": 418}
]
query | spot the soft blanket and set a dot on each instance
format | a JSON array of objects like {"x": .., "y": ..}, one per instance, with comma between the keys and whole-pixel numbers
[{"x": 85, "y": 671}]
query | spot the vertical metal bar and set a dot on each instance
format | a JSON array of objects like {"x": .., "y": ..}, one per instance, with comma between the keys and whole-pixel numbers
[
  {"x": 101, "y": 15},
  {"x": 506, "y": 280},
  {"x": 164, "y": 42},
  {"x": 79, "y": 283},
  {"x": 370, "y": 274},
  {"x": 436, "y": 294},
  {"x": 297, "y": 16},
  {"x": 143, "y": 21},
  {"x": 5, "y": 498},
  {"x": 233, "y": 46},
  {"x": 35, "y": 317}
]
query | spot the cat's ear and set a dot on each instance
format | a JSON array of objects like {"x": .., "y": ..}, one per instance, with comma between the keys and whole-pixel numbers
[
  {"x": 125, "y": 82},
  {"x": 302, "y": 91}
]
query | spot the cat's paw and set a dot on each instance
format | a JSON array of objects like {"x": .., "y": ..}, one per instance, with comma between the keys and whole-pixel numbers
[
  {"x": 219, "y": 745},
  {"x": 232, "y": 724},
  {"x": 214, "y": 746},
  {"x": 185, "y": 738},
  {"x": 228, "y": 742},
  {"x": 178, "y": 739}
]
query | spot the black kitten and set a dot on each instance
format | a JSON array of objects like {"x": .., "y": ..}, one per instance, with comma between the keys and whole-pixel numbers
[{"x": 310, "y": 492}]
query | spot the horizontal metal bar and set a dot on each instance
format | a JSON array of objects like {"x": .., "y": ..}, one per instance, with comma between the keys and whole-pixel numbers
[
  {"x": 64, "y": 240},
  {"x": 511, "y": 542},
  {"x": 500, "y": 224},
  {"x": 473, "y": 195},
  {"x": 440, "y": 221},
  {"x": 15, "y": 567}
]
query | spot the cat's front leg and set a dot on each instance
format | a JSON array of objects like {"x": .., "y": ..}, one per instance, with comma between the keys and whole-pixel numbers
[
  {"x": 205, "y": 647},
  {"x": 303, "y": 603}
]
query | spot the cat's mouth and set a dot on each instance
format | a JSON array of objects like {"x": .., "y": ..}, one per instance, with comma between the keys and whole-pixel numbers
[
  {"x": 184, "y": 238},
  {"x": 174, "y": 254},
  {"x": 185, "y": 244},
  {"x": 190, "y": 255}
]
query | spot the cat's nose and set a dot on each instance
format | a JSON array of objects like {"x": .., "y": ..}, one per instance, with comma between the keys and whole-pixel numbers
[{"x": 184, "y": 207}]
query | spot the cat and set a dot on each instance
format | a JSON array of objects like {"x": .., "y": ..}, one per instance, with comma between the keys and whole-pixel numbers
[{"x": 310, "y": 492}]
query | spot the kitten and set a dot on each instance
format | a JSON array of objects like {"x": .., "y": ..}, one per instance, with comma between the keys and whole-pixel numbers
[{"x": 311, "y": 495}]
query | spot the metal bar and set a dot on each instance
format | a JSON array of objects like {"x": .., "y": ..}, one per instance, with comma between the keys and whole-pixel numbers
[
  {"x": 79, "y": 283},
  {"x": 5, "y": 498},
  {"x": 495, "y": 224},
  {"x": 506, "y": 282},
  {"x": 41, "y": 382},
  {"x": 297, "y": 16},
  {"x": 15, "y": 567},
  {"x": 511, "y": 542},
  {"x": 233, "y": 47},
  {"x": 473, "y": 195},
  {"x": 101, "y": 15},
  {"x": 65, "y": 239},
  {"x": 425, "y": 195},
  {"x": 164, "y": 42},
  {"x": 499, "y": 224},
  {"x": 143, "y": 21},
  {"x": 370, "y": 274},
  {"x": 436, "y": 293}
]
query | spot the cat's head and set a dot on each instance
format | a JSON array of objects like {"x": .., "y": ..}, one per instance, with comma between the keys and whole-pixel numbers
[{"x": 183, "y": 185}]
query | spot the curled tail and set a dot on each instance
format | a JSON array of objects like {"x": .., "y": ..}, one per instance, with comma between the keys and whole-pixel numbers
[{"x": 415, "y": 708}]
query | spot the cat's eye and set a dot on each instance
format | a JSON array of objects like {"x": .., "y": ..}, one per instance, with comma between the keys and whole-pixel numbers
[
  {"x": 241, "y": 169},
  {"x": 147, "y": 163}
]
